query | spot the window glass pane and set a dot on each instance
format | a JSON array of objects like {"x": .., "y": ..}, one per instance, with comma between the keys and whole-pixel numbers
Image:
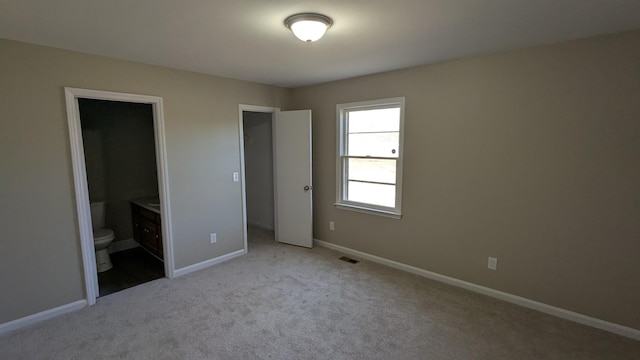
[
  {"x": 375, "y": 120},
  {"x": 376, "y": 194},
  {"x": 373, "y": 144},
  {"x": 372, "y": 170},
  {"x": 369, "y": 153}
]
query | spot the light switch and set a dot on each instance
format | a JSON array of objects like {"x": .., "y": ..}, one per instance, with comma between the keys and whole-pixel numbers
[{"x": 492, "y": 263}]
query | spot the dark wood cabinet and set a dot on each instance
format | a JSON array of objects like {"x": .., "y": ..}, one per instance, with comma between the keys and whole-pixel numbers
[{"x": 147, "y": 229}]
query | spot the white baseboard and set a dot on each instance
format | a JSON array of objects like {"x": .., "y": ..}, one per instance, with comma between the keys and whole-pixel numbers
[
  {"x": 123, "y": 245},
  {"x": 44, "y": 315},
  {"x": 261, "y": 226},
  {"x": 514, "y": 299},
  {"x": 205, "y": 264}
]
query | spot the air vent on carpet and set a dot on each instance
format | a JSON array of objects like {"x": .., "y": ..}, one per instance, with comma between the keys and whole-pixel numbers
[{"x": 350, "y": 260}]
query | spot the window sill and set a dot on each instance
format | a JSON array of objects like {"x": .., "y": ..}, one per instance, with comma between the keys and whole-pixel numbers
[{"x": 369, "y": 211}]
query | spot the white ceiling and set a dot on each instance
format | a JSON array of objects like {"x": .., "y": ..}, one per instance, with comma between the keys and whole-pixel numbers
[{"x": 246, "y": 39}]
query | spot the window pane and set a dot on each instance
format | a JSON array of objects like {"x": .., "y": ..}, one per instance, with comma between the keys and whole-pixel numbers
[
  {"x": 374, "y": 144},
  {"x": 376, "y": 120},
  {"x": 372, "y": 170},
  {"x": 376, "y": 194},
  {"x": 369, "y": 155}
]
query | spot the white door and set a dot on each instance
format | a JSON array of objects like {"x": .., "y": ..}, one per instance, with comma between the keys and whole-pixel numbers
[{"x": 292, "y": 157}]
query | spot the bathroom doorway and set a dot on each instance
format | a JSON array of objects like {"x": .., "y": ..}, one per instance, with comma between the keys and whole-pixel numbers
[
  {"x": 133, "y": 167},
  {"x": 119, "y": 149}
]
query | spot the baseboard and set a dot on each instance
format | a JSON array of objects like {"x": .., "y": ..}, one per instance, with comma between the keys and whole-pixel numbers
[
  {"x": 122, "y": 245},
  {"x": 205, "y": 264},
  {"x": 514, "y": 299},
  {"x": 44, "y": 315},
  {"x": 261, "y": 226}
]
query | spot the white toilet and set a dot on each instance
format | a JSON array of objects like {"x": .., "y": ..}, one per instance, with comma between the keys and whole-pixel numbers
[{"x": 102, "y": 237}]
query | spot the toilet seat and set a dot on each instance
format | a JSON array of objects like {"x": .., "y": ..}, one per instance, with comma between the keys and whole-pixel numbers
[{"x": 102, "y": 235}]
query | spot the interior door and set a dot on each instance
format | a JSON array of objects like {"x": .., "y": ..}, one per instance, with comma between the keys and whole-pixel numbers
[{"x": 293, "y": 188}]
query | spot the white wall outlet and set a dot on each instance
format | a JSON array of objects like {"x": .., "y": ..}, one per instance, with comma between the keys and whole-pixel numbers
[
  {"x": 492, "y": 263},
  {"x": 214, "y": 238},
  {"x": 236, "y": 176},
  {"x": 332, "y": 226}
]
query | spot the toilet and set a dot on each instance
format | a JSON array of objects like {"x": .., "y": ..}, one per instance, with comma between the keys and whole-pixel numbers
[{"x": 102, "y": 237}]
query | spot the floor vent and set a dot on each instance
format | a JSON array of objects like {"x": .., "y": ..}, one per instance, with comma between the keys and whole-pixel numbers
[{"x": 350, "y": 260}]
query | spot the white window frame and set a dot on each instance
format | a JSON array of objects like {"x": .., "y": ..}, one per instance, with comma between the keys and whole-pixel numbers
[{"x": 341, "y": 178}]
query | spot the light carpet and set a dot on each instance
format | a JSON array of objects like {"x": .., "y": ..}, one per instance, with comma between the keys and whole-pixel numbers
[{"x": 285, "y": 302}]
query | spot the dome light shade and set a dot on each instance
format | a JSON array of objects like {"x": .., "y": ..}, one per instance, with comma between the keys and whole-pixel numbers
[{"x": 308, "y": 27}]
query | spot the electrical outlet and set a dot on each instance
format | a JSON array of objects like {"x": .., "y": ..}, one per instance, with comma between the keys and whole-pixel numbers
[
  {"x": 214, "y": 238},
  {"x": 492, "y": 263},
  {"x": 236, "y": 176},
  {"x": 332, "y": 226}
]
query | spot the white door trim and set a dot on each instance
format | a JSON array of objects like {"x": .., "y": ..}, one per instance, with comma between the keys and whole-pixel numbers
[
  {"x": 80, "y": 179},
  {"x": 241, "y": 109}
]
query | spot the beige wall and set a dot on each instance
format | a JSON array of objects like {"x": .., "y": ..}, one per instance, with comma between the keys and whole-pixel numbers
[
  {"x": 530, "y": 156},
  {"x": 40, "y": 260},
  {"x": 94, "y": 163}
]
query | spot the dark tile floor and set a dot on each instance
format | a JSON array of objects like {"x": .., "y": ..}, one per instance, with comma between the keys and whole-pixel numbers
[{"x": 130, "y": 268}]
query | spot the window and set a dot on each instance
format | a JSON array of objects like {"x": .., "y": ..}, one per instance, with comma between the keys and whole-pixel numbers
[{"x": 369, "y": 161}]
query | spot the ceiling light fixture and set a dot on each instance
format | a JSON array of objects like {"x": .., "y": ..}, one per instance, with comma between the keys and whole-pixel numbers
[{"x": 308, "y": 27}]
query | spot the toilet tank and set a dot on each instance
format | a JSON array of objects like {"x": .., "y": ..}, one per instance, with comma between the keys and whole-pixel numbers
[{"x": 97, "y": 214}]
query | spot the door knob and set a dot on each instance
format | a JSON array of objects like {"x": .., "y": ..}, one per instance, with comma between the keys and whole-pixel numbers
[{"x": 307, "y": 188}]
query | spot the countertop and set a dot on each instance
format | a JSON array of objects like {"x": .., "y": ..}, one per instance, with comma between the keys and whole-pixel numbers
[{"x": 151, "y": 203}]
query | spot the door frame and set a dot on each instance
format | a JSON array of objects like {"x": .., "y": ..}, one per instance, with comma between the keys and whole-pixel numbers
[
  {"x": 261, "y": 109},
  {"x": 81, "y": 186}
]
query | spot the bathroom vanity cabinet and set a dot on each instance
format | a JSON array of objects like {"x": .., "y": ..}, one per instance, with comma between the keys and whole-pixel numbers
[{"x": 147, "y": 229}]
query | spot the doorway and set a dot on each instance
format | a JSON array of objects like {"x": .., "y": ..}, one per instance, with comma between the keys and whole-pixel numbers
[
  {"x": 290, "y": 182},
  {"x": 153, "y": 104},
  {"x": 258, "y": 168},
  {"x": 259, "y": 176},
  {"x": 119, "y": 148}
]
